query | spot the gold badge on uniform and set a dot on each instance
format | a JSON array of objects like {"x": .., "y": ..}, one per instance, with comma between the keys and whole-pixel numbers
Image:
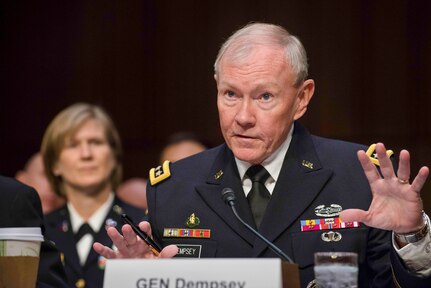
[
  {"x": 80, "y": 283},
  {"x": 192, "y": 221},
  {"x": 373, "y": 155}
]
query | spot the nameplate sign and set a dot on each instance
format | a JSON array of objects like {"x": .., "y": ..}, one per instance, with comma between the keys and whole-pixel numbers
[{"x": 193, "y": 273}]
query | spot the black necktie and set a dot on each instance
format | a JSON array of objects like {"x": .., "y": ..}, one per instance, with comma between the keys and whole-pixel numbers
[
  {"x": 258, "y": 197},
  {"x": 83, "y": 230}
]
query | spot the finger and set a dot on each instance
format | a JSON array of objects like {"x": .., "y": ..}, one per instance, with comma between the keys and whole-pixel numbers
[
  {"x": 420, "y": 179},
  {"x": 369, "y": 168},
  {"x": 105, "y": 251},
  {"x": 169, "y": 251},
  {"x": 403, "y": 172},
  {"x": 350, "y": 215},
  {"x": 146, "y": 227},
  {"x": 386, "y": 166},
  {"x": 117, "y": 239},
  {"x": 129, "y": 235}
]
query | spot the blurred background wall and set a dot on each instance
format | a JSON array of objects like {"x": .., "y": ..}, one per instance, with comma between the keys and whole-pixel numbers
[{"x": 149, "y": 64}]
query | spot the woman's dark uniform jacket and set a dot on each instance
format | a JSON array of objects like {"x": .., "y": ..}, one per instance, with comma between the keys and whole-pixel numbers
[
  {"x": 59, "y": 230},
  {"x": 20, "y": 207},
  {"x": 316, "y": 171}
]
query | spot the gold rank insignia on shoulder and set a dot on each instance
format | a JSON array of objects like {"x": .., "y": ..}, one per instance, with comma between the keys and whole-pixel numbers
[
  {"x": 160, "y": 173},
  {"x": 373, "y": 155}
]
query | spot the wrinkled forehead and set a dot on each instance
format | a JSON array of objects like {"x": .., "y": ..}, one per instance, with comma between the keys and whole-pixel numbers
[{"x": 258, "y": 65}]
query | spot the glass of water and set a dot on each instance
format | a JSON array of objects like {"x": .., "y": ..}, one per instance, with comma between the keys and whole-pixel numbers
[{"x": 336, "y": 269}]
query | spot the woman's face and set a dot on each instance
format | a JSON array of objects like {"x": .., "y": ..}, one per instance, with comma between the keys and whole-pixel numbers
[{"x": 86, "y": 160}]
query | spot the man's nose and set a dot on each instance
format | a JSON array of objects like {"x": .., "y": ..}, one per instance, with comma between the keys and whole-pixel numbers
[{"x": 245, "y": 114}]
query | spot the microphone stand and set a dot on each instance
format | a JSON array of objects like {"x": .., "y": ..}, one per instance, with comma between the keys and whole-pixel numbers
[{"x": 229, "y": 197}]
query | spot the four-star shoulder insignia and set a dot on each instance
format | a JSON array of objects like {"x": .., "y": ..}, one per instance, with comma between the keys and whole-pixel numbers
[
  {"x": 373, "y": 155},
  {"x": 160, "y": 173}
]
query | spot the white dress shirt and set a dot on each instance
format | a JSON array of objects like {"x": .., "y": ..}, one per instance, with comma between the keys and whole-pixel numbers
[{"x": 96, "y": 221}]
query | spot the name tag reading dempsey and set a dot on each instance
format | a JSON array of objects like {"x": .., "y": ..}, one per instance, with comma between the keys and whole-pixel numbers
[{"x": 193, "y": 273}]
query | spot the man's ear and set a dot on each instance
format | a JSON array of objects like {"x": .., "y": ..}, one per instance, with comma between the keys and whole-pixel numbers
[{"x": 306, "y": 92}]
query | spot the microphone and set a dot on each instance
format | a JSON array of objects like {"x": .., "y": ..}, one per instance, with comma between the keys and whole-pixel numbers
[{"x": 229, "y": 198}]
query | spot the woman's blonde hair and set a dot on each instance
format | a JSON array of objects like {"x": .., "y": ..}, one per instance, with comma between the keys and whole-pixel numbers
[{"x": 65, "y": 124}]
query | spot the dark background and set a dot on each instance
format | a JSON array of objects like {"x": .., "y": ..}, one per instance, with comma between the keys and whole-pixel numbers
[{"x": 149, "y": 64}]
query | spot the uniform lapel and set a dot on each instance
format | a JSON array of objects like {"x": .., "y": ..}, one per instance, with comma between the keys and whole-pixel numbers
[
  {"x": 224, "y": 174},
  {"x": 301, "y": 179},
  {"x": 64, "y": 239}
]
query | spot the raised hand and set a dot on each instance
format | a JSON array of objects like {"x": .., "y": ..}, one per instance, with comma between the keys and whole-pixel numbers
[
  {"x": 396, "y": 204},
  {"x": 129, "y": 245}
]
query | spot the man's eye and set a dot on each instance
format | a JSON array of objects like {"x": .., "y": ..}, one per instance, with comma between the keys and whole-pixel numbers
[
  {"x": 266, "y": 96},
  {"x": 230, "y": 93}
]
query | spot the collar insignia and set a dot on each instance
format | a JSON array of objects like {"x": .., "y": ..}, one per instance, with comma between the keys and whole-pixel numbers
[
  {"x": 192, "y": 221},
  {"x": 331, "y": 211},
  {"x": 117, "y": 209},
  {"x": 373, "y": 155},
  {"x": 218, "y": 175},
  {"x": 160, "y": 173},
  {"x": 307, "y": 164}
]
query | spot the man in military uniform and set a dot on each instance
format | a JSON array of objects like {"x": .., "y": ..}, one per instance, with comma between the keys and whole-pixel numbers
[{"x": 290, "y": 185}]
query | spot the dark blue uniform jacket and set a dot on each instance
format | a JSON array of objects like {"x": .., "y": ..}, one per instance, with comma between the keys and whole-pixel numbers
[{"x": 316, "y": 171}]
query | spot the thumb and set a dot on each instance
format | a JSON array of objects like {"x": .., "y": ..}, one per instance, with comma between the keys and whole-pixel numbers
[
  {"x": 350, "y": 215},
  {"x": 169, "y": 251}
]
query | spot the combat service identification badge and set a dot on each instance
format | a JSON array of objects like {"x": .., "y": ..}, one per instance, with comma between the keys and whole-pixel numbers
[
  {"x": 160, "y": 173},
  {"x": 328, "y": 211}
]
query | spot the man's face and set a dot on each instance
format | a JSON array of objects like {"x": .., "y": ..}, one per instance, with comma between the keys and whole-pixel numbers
[{"x": 257, "y": 102}]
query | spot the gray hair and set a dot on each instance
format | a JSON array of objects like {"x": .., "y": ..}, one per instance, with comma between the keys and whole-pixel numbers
[{"x": 242, "y": 42}]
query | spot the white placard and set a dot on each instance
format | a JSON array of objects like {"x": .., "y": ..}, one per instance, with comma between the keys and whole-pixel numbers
[{"x": 193, "y": 273}]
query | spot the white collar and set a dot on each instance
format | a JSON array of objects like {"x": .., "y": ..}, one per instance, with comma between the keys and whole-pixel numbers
[
  {"x": 273, "y": 163},
  {"x": 96, "y": 220}
]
